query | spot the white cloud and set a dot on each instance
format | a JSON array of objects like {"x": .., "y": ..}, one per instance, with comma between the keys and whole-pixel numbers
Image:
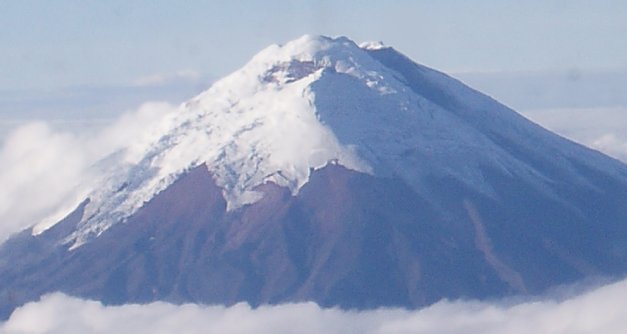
[
  {"x": 43, "y": 170},
  {"x": 39, "y": 168},
  {"x": 604, "y": 129},
  {"x": 598, "y": 311},
  {"x": 614, "y": 144},
  {"x": 163, "y": 79}
]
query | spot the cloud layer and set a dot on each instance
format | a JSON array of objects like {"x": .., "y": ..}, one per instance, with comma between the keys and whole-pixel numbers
[{"x": 598, "y": 311}]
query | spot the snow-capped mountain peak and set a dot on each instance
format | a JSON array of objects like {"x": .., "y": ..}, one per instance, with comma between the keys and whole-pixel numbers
[
  {"x": 257, "y": 125},
  {"x": 297, "y": 107},
  {"x": 345, "y": 175}
]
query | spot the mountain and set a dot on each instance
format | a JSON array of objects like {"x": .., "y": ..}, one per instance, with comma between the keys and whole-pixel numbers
[{"x": 342, "y": 174}]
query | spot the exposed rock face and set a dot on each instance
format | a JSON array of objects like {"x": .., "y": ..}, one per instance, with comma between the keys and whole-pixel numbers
[{"x": 346, "y": 239}]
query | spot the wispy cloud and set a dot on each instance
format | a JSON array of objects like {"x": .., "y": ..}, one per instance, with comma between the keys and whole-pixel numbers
[
  {"x": 163, "y": 79},
  {"x": 604, "y": 129},
  {"x": 44, "y": 171},
  {"x": 598, "y": 311}
]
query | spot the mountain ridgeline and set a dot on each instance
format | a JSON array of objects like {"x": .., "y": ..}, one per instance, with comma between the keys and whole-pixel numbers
[{"x": 341, "y": 174}]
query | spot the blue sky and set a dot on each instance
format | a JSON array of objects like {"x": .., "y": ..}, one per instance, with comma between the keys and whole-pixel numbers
[
  {"x": 65, "y": 43},
  {"x": 78, "y": 65}
]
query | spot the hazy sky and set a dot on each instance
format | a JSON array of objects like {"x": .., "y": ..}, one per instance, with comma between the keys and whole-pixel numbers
[
  {"x": 52, "y": 44},
  {"x": 80, "y": 64}
]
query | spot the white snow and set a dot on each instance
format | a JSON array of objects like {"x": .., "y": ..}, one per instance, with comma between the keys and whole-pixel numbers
[
  {"x": 297, "y": 107},
  {"x": 257, "y": 125},
  {"x": 372, "y": 45}
]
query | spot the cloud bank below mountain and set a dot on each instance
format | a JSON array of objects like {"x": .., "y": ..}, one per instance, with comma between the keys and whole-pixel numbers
[{"x": 596, "y": 311}]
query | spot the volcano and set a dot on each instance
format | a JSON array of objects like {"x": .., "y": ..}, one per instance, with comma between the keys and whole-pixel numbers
[{"x": 338, "y": 173}]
